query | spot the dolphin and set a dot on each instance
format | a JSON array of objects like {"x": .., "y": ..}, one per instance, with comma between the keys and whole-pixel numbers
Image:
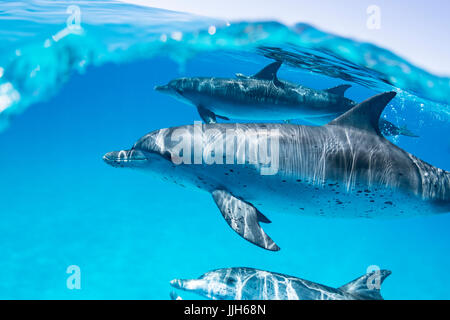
[
  {"x": 253, "y": 284},
  {"x": 345, "y": 168},
  {"x": 263, "y": 97},
  {"x": 174, "y": 296}
]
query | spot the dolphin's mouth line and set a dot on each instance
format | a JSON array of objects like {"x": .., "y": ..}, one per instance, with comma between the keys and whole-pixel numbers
[
  {"x": 125, "y": 156},
  {"x": 125, "y": 160}
]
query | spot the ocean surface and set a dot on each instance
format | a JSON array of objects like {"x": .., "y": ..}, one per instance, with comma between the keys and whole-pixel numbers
[{"x": 75, "y": 86}]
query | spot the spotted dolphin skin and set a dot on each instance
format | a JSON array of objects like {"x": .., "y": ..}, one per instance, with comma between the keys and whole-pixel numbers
[
  {"x": 263, "y": 97},
  {"x": 254, "y": 284},
  {"x": 343, "y": 169}
]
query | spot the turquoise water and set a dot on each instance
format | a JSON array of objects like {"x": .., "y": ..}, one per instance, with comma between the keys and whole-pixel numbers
[{"x": 65, "y": 103}]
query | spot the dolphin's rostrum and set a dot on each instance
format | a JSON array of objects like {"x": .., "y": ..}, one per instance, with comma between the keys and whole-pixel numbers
[
  {"x": 343, "y": 169},
  {"x": 253, "y": 284},
  {"x": 263, "y": 97}
]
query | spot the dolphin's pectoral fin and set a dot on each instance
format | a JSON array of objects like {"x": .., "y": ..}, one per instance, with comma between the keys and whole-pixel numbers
[
  {"x": 222, "y": 117},
  {"x": 244, "y": 218},
  {"x": 339, "y": 90},
  {"x": 206, "y": 115},
  {"x": 175, "y": 296},
  {"x": 366, "y": 115}
]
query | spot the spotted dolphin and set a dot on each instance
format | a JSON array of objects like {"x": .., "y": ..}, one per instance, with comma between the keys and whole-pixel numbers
[
  {"x": 253, "y": 284},
  {"x": 263, "y": 97},
  {"x": 343, "y": 169}
]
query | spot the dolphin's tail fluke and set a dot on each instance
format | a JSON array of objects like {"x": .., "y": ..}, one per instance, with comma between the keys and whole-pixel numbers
[
  {"x": 403, "y": 130},
  {"x": 368, "y": 286}
]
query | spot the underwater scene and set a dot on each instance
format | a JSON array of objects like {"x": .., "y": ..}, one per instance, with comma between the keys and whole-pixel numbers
[{"x": 269, "y": 161}]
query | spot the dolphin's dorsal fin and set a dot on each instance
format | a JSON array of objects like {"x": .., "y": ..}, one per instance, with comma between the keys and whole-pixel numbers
[
  {"x": 269, "y": 72},
  {"x": 339, "y": 90},
  {"x": 367, "y": 287},
  {"x": 366, "y": 115}
]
